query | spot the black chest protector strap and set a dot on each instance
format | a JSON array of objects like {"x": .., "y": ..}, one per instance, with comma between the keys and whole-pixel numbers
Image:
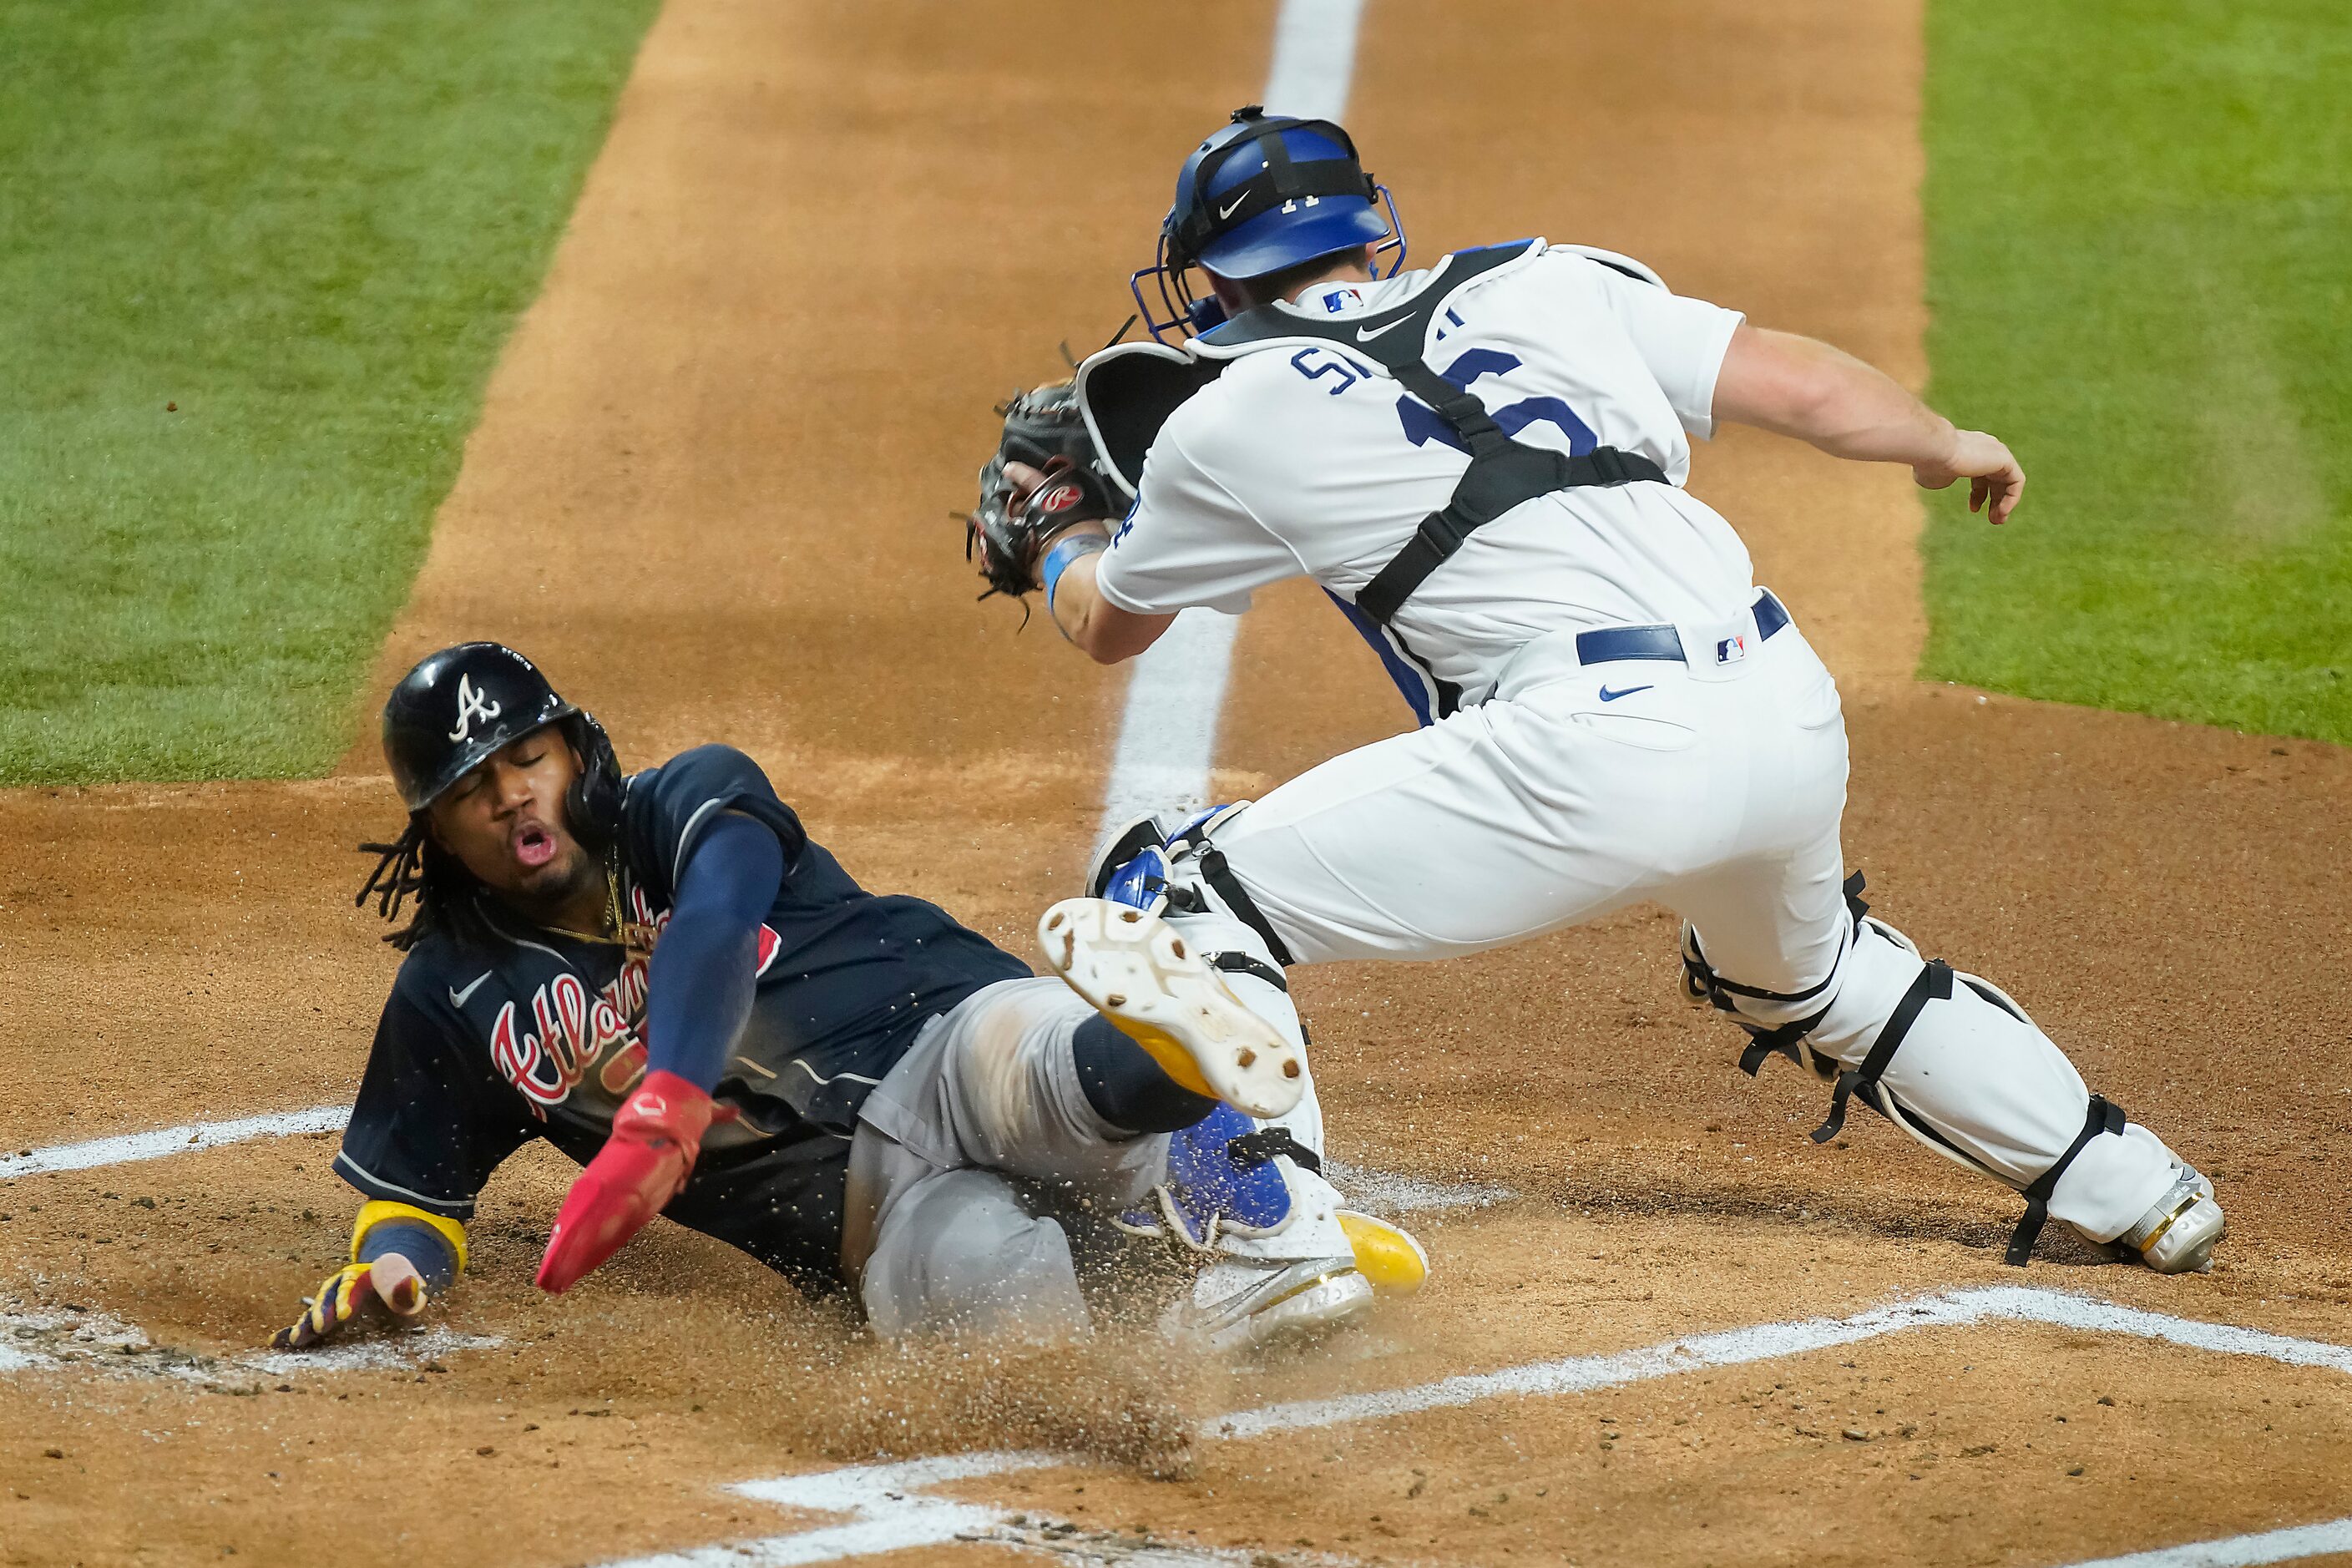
[{"x": 1503, "y": 473}]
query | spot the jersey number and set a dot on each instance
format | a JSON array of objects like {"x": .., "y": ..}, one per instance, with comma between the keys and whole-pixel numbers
[{"x": 1421, "y": 425}]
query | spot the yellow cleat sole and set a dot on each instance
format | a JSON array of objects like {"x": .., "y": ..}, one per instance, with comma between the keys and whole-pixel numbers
[{"x": 1386, "y": 1255}]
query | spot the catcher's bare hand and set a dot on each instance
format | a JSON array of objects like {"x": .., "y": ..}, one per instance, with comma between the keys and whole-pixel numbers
[
  {"x": 1996, "y": 480},
  {"x": 1044, "y": 479},
  {"x": 387, "y": 1289}
]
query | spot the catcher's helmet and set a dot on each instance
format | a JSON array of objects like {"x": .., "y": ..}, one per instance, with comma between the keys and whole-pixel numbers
[
  {"x": 460, "y": 705},
  {"x": 1262, "y": 195}
]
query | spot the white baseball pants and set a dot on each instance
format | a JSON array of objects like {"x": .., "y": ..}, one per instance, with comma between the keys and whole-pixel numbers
[{"x": 1714, "y": 790}]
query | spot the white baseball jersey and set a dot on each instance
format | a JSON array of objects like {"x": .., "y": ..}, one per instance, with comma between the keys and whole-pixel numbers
[
  {"x": 1304, "y": 459},
  {"x": 1557, "y": 791}
]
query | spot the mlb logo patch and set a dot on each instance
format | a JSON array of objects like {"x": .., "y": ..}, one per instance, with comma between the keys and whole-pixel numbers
[
  {"x": 1344, "y": 297},
  {"x": 1731, "y": 649}
]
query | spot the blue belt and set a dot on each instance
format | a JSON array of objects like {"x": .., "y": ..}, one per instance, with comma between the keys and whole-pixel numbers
[{"x": 1611, "y": 643}]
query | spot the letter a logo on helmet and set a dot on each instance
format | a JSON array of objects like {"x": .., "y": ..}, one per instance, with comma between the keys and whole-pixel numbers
[
  {"x": 472, "y": 704},
  {"x": 458, "y": 706}
]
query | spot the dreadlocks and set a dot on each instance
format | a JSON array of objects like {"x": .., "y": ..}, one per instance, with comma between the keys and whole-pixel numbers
[{"x": 413, "y": 866}]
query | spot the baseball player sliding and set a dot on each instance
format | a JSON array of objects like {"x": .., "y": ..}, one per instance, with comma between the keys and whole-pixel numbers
[
  {"x": 663, "y": 975},
  {"x": 1483, "y": 464}
]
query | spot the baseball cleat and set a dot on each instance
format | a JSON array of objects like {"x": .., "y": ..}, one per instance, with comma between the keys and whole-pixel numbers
[
  {"x": 1386, "y": 1255},
  {"x": 1162, "y": 994},
  {"x": 1221, "y": 1183},
  {"x": 2178, "y": 1235},
  {"x": 1240, "y": 1304}
]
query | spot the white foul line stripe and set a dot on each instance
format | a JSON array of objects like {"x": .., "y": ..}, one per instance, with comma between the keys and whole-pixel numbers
[
  {"x": 2242, "y": 1550},
  {"x": 131, "y": 1147},
  {"x": 1168, "y": 728},
  {"x": 1314, "y": 62},
  {"x": 885, "y": 1512},
  {"x": 1578, "y": 1375},
  {"x": 887, "y": 1517},
  {"x": 1168, "y": 732},
  {"x": 2061, "y": 1309},
  {"x": 1382, "y": 1192}
]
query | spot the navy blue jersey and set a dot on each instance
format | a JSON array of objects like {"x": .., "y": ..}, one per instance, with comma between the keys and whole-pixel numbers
[{"x": 481, "y": 1049}]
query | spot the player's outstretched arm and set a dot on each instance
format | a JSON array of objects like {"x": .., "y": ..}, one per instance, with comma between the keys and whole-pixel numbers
[
  {"x": 402, "y": 1258},
  {"x": 699, "y": 989},
  {"x": 1799, "y": 386}
]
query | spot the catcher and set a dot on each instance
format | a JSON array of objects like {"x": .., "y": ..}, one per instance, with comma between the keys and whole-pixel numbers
[
  {"x": 665, "y": 977},
  {"x": 1481, "y": 464}
]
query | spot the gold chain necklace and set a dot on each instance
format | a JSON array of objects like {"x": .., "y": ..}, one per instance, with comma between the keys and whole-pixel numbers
[{"x": 635, "y": 938}]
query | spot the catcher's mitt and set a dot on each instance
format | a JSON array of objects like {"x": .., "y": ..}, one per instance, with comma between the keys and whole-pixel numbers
[{"x": 1047, "y": 430}]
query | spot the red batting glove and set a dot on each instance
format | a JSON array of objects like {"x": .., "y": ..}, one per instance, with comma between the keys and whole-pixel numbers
[{"x": 654, "y": 1141}]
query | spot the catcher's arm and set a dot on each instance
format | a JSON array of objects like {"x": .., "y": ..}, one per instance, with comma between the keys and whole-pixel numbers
[
  {"x": 1796, "y": 386},
  {"x": 1066, "y": 571},
  {"x": 401, "y": 1258}
]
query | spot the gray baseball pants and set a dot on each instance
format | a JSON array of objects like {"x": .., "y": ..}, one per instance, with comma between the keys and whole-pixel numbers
[{"x": 964, "y": 1156}]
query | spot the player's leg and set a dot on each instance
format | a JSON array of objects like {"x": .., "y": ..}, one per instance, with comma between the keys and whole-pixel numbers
[
  {"x": 959, "y": 1251},
  {"x": 1015, "y": 1079},
  {"x": 1027, "y": 1080},
  {"x": 992, "y": 1121},
  {"x": 1429, "y": 844},
  {"x": 1557, "y": 800},
  {"x": 1773, "y": 941},
  {"x": 1248, "y": 1198},
  {"x": 1035, "y": 1083}
]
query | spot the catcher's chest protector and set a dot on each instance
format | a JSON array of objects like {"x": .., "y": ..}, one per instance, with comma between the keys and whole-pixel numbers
[{"x": 1503, "y": 473}]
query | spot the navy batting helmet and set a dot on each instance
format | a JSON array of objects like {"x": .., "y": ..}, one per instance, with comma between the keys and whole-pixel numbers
[
  {"x": 458, "y": 706},
  {"x": 1262, "y": 195}
]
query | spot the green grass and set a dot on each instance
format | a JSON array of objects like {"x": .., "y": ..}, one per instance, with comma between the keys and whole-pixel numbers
[
  {"x": 309, "y": 226},
  {"x": 2139, "y": 221}
]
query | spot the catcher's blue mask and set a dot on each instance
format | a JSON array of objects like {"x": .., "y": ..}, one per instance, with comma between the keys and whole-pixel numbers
[{"x": 1263, "y": 195}]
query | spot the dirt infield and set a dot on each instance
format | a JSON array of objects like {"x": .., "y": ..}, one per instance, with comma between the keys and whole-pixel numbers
[{"x": 709, "y": 494}]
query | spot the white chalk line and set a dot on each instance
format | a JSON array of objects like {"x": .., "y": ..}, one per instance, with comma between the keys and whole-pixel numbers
[
  {"x": 888, "y": 1512},
  {"x": 1767, "y": 1341},
  {"x": 1168, "y": 730},
  {"x": 129, "y": 1148},
  {"x": 2242, "y": 1550},
  {"x": 1374, "y": 1191}
]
